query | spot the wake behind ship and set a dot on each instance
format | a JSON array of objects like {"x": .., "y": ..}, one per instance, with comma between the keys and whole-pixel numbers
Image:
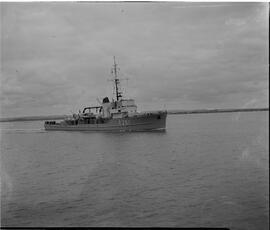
[{"x": 118, "y": 115}]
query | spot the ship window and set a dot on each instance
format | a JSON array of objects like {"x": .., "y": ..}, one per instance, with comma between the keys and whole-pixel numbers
[{"x": 158, "y": 117}]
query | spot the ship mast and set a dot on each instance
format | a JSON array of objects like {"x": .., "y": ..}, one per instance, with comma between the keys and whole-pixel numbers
[{"x": 116, "y": 80}]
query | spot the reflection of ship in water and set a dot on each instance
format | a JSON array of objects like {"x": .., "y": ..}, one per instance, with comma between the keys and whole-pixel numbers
[{"x": 117, "y": 115}]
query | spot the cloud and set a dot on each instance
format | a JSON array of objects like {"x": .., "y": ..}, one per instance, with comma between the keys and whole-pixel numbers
[
  {"x": 235, "y": 21},
  {"x": 57, "y": 56}
]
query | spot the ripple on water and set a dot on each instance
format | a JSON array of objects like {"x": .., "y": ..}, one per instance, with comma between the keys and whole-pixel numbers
[{"x": 206, "y": 170}]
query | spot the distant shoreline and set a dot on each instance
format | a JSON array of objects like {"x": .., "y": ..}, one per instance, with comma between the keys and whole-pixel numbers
[
  {"x": 59, "y": 117},
  {"x": 33, "y": 118},
  {"x": 216, "y": 110}
]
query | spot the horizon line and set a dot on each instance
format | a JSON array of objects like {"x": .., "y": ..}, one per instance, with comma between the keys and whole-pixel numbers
[{"x": 169, "y": 111}]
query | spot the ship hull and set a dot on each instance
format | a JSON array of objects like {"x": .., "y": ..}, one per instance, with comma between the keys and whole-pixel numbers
[{"x": 142, "y": 122}]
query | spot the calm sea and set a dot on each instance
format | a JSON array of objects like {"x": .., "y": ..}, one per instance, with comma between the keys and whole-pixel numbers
[{"x": 207, "y": 170}]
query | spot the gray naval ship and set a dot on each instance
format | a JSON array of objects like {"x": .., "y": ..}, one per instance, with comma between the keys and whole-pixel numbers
[{"x": 118, "y": 115}]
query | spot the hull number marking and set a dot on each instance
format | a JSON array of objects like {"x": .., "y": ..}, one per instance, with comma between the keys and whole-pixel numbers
[{"x": 123, "y": 122}]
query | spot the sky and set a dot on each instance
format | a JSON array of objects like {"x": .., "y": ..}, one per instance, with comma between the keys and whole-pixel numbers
[{"x": 56, "y": 58}]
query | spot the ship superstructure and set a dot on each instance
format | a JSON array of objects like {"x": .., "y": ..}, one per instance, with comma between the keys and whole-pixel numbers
[{"x": 117, "y": 115}]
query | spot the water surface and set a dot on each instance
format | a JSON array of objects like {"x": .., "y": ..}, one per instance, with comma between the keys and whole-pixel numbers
[{"x": 208, "y": 170}]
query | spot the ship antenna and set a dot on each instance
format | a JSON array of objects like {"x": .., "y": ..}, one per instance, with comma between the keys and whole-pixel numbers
[{"x": 116, "y": 80}]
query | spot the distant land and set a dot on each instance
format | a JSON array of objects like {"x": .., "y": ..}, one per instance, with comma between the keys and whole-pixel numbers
[
  {"x": 216, "y": 110},
  {"x": 176, "y": 111},
  {"x": 33, "y": 118}
]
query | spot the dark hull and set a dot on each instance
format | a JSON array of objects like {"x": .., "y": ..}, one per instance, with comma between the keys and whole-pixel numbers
[{"x": 143, "y": 122}]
